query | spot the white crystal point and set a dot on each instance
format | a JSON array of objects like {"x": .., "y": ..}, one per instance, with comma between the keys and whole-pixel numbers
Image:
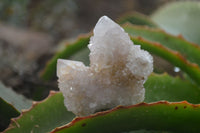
[
  {"x": 105, "y": 23},
  {"x": 117, "y": 72},
  {"x": 111, "y": 40}
]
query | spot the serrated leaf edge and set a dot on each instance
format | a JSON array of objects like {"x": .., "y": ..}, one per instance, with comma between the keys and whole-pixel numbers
[
  {"x": 191, "y": 69},
  {"x": 55, "y": 56},
  {"x": 161, "y": 31},
  {"x": 77, "y": 119},
  {"x": 34, "y": 103}
]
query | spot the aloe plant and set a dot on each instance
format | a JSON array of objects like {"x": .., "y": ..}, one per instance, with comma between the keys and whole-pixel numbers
[
  {"x": 187, "y": 24},
  {"x": 171, "y": 103}
]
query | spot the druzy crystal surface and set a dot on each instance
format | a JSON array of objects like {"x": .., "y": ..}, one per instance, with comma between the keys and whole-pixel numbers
[{"x": 117, "y": 72}]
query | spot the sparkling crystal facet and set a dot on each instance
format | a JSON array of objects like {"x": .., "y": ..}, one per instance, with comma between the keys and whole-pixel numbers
[{"x": 117, "y": 72}]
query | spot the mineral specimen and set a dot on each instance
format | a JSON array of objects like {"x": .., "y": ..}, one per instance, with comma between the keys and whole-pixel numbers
[{"x": 117, "y": 72}]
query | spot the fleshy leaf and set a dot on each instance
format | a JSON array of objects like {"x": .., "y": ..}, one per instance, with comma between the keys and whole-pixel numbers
[
  {"x": 137, "y": 19},
  {"x": 7, "y": 111},
  {"x": 42, "y": 117},
  {"x": 177, "y": 117},
  {"x": 172, "y": 89},
  {"x": 17, "y": 100},
  {"x": 11, "y": 105},
  {"x": 189, "y": 50},
  {"x": 175, "y": 58},
  {"x": 69, "y": 50},
  {"x": 51, "y": 113},
  {"x": 180, "y": 18}
]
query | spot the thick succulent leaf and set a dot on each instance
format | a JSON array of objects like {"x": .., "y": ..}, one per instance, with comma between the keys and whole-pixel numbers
[
  {"x": 17, "y": 100},
  {"x": 177, "y": 117},
  {"x": 51, "y": 113},
  {"x": 42, "y": 117},
  {"x": 69, "y": 50},
  {"x": 180, "y": 18},
  {"x": 11, "y": 104},
  {"x": 175, "y": 58},
  {"x": 189, "y": 50},
  {"x": 7, "y": 111},
  {"x": 137, "y": 19},
  {"x": 172, "y": 89}
]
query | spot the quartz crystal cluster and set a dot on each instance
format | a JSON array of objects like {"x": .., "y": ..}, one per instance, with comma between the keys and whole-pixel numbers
[{"x": 117, "y": 72}]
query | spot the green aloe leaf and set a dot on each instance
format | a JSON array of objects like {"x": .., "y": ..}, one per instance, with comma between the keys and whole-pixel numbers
[
  {"x": 172, "y": 89},
  {"x": 177, "y": 117},
  {"x": 11, "y": 105},
  {"x": 46, "y": 115},
  {"x": 180, "y": 18},
  {"x": 137, "y": 19},
  {"x": 7, "y": 111},
  {"x": 188, "y": 50},
  {"x": 42, "y": 117},
  {"x": 17, "y": 100},
  {"x": 69, "y": 50},
  {"x": 175, "y": 58}
]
